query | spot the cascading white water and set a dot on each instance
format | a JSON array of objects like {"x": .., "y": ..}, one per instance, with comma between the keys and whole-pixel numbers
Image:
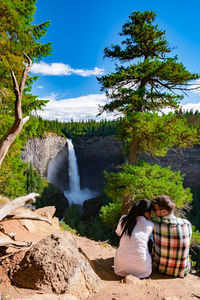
[{"x": 75, "y": 194}]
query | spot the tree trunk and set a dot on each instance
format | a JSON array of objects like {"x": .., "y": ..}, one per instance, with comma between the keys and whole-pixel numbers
[
  {"x": 128, "y": 201},
  {"x": 134, "y": 149},
  {"x": 13, "y": 132},
  {"x": 16, "y": 203},
  {"x": 10, "y": 136}
]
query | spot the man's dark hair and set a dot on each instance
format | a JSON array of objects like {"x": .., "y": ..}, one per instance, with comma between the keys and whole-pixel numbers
[{"x": 164, "y": 202}]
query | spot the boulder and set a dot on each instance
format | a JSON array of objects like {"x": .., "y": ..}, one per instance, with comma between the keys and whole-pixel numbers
[{"x": 57, "y": 265}]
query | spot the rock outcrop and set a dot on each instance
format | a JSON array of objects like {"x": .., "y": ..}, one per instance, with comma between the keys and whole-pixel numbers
[
  {"x": 56, "y": 265},
  {"x": 186, "y": 160},
  {"x": 39, "y": 152}
]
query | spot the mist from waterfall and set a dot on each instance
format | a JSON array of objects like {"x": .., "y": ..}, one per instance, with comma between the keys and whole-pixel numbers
[{"x": 75, "y": 194}]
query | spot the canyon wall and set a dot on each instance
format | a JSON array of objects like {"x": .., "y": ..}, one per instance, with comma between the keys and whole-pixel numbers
[
  {"x": 96, "y": 154},
  {"x": 48, "y": 155},
  {"x": 186, "y": 160}
]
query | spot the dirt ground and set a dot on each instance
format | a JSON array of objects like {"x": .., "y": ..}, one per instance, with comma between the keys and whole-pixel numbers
[{"x": 157, "y": 287}]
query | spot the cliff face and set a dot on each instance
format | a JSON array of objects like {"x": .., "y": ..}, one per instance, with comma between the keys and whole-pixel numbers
[
  {"x": 40, "y": 152},
  {"x": 186, "y": 160},
  {"x": 96, "y": 154}
]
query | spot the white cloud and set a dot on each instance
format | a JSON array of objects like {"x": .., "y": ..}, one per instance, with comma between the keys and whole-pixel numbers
[
  {"x": 59, "y": 69},
  {"x": 191, "y": 106},
  {"x": 185, "y": 107},
  {"x": 39, "y": 87},
  {"x": 84, "y": 107}
]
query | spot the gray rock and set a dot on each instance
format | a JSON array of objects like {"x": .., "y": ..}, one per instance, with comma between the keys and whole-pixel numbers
[
  {"x": 186, "y": 160},
  {"x": 56, "y": 265},
  {"x": 94, "y": 156},
  {"x": 39, "y": 151}
]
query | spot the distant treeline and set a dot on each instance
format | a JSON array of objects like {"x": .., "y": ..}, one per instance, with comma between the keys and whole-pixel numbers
[
  {"x": 98, "y": 128},
  {"x": 71, "y": 129},
  {"x": 192, "y": 118}
]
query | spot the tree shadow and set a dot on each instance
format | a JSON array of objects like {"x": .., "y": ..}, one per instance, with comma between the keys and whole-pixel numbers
[{"x": 104, "y": 268}]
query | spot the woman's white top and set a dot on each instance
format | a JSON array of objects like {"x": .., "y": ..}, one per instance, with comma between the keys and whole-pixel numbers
[{"x": 132, "y": 256}]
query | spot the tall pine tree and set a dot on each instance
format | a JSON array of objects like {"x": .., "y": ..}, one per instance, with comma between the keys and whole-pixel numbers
[{"x": 151, "y": 81}]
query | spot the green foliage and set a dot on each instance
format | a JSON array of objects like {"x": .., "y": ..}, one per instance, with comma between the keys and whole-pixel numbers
[
  {"x": 195, "y": 236},
  {"x": 193, "y": 214},
  {"x": 12, "y": 179},
  {"x": 106, "y": 127},
  {"x": 195, "y": 248},
  {"x": 67, "y": 227},
  {"x": 18, "y": 36},
  {"x": 142, "y": 181},
  {"x": 18, "y": 39},
  {"x": 93, "y": 227},
  {"x": 34, "y": 182},
  {"x": 72, "y": 129},
  {"x": 52, "y": 196},
  {"x": 147, "y": 81},
  {"x": 156, "y": 134},
  {"x": 72, "y": 216},
  {"x": 151, "y": 83}
]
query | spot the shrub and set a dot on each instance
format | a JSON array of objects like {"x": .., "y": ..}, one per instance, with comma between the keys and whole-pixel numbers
[{"x": 142, "y": 181}]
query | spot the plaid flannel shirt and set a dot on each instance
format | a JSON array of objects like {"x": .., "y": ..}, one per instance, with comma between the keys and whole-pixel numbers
[{"x": 171, "y": 245}]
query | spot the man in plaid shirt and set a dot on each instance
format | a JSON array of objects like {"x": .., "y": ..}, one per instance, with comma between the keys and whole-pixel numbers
[{"x": 171, "y": 239}]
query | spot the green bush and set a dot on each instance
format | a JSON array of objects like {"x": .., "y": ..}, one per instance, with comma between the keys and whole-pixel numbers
[
  {"x": 92, "y": 228},
  {"x": 72, "y": 216},
  {"x": 193, "y": 214},
  {"x": 142, "y": 181}
]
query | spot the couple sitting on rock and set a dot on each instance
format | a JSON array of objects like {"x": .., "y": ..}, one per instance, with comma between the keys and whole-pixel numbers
[{"x": 170, "y": 237}]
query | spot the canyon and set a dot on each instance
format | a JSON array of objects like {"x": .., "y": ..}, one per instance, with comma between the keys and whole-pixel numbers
[{"x": 98, "y": 154}]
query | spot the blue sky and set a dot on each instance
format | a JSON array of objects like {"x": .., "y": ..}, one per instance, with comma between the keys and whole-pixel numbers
[{"x": 80, "y": 30}]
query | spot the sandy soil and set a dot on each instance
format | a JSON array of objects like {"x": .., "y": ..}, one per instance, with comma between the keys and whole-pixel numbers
[{"x": 157, "y": 287}]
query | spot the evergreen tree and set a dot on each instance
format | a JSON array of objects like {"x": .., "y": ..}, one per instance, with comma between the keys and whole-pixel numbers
[
  {"x": 152, "y": 80},
  {"x": 20, "y": 44}
]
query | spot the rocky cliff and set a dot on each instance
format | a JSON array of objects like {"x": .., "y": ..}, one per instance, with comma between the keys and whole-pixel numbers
[
  {"x": 40, "y": 152},
  {"x": 186, "y": 160},
  {"x": 96, "y": 154}
]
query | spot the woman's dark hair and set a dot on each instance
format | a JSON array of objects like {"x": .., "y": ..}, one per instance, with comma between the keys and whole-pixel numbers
[{"x": 138, "y": 209}]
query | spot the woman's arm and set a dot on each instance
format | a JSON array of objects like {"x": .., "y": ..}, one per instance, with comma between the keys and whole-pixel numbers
[{"x": 119, "y": 227}]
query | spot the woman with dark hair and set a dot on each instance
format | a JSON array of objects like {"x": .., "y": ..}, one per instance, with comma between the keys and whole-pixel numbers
[{"x": 132, "y": 256}]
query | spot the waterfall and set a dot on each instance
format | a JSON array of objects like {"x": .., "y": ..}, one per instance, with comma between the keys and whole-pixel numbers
[{"x": 75, "y": 194}]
